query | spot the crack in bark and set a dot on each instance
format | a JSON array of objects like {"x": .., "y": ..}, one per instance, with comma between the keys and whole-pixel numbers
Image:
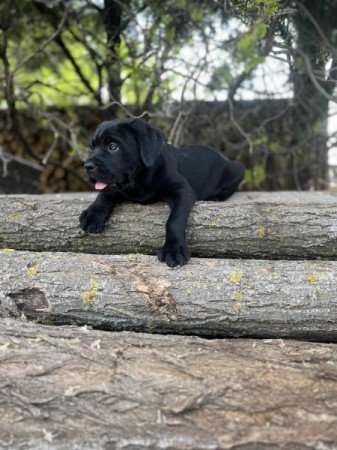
[
  {"x": 155, "y": 292},
  {"x": 32, "y": 302},
  {"x": 152, "y": 288}
]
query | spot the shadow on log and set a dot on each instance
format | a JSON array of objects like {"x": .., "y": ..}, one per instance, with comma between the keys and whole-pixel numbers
[
  {"x": 209, "y": 297},
  {"x": 70, "y": 388},
  {"x": 295, "y": 225}
]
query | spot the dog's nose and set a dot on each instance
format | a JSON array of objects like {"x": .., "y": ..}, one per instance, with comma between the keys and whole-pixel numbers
[{"x": 89, "y": 165}]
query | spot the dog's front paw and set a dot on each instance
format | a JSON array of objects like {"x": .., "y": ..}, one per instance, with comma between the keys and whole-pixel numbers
[
  {"x": 174, "y": 254},
  {"x": 92, "y": 220}
]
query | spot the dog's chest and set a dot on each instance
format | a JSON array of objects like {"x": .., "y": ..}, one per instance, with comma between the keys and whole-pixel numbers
[{"x": 140, "y": 195}]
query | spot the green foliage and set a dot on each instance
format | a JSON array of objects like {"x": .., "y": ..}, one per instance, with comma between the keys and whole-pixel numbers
[
  {"x": 248, "y": 42},
  {"x": 49, "y": 77},
  {"x": 59, "y": 84},
  {"x": 255, "y": 176},
  {"x": 248, "y": 47},
  {"x": 274, "y": 146},
  {"x": 260, "y": 140},
  {"x": 221, "y": 78},
  {"x": 265, "y": 141},
  {"x": 266, "y": 7},
  {"x": 149, "y": 39}
]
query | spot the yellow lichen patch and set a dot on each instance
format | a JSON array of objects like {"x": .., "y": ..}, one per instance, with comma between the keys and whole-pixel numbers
[
  {"x": 149, "y": 326},
  {"x": 33, "y": 270},
  {"x": 214, "y": 223},
  {"x": 312, "y": 278},
  {"x": 261, "y": 231},
  {"x": 14, "y": 217},
  {"x": 238, "y": 296},
  {"x": 236, "y": 306},
  {"x": 8, "y": 250},
  {"x": 235, "y": 278},
  {"x": 89, "y": 297},
  {"x": 133, "y": 256},
  {"x": 188, "y": 272},
  {"x": 94, "y": 283}
]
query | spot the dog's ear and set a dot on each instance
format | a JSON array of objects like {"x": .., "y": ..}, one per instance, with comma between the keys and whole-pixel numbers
[{"x": 150, "y": 141}]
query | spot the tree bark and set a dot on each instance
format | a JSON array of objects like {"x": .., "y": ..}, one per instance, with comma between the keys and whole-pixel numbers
[
  {"x": 70, "y": 388},
  {"x": 312, "y": 108},
  {"x": 209, "y": 297},
  {"x": 112, "y": 19},
  {"x": 249, "y": 225}
]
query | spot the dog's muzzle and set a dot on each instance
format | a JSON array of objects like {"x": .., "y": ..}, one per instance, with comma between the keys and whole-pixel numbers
[{"x": 89, "y": 166}]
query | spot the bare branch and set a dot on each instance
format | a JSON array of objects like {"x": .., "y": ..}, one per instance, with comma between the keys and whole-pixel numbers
[
  {"x": 51, "y": 148},
  {"x": 125, "y": 109},
  {"x": 313, "y": 79},
  {"x": 238, "y": 126}
]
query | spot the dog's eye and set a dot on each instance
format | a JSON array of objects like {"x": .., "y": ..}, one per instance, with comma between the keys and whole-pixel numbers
[{"x": 113, "y": 146}]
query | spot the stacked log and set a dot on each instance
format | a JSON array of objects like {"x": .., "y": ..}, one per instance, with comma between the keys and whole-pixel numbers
[
  {"x": 263, "y": 271},
  {"x": 285, "y": 225}
]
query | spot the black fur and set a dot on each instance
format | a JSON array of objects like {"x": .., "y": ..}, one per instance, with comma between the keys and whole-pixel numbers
[{"x": 132, "y": 158}]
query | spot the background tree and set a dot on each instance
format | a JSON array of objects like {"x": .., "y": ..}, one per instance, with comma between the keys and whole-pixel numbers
[{"x": 188, "y": 66}]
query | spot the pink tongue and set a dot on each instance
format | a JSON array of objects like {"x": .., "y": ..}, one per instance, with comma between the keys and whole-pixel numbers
[{"x": 99, "y": 186}]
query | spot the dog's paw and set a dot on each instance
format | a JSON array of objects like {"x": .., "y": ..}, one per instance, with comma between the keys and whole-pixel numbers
[
  {"x": 92, "y": 220},
  {"x": 174, "y": 254}
]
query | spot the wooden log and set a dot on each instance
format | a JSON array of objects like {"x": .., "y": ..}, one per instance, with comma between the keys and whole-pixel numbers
[
  {"x": 296, "y": 225},
  {"x": 72, "y": 388},
  {"x": 210, "y": 297}
]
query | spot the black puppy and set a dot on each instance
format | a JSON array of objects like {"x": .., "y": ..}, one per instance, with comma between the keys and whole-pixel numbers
[{"x": 130, "y": 161}]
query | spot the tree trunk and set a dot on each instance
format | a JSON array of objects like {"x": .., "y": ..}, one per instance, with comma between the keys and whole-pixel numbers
[
  {"x": 112, "y": 19},
  {"x": 311, "y": 106},
  {"x": 249, "y": 225},
  {"x": 209, "y": 297},
  {"x": 70, "y": 388}
]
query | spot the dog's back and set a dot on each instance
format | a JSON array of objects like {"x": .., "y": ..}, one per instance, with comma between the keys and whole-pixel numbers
[{"x": 209, "y": 173}]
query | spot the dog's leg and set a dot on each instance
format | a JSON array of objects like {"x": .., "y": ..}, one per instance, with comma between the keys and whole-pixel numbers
[
  {"x": 92, "y": 220},
  {"x": 175, "y": 251},
  {"x": 231, "y": 178}
]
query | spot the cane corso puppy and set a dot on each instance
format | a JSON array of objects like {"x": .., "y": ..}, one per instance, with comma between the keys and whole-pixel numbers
[{"x": 129, "y": 161}]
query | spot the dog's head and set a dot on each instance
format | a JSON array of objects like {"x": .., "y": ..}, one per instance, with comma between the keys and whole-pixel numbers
[{"x": 120, "y": 150}]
